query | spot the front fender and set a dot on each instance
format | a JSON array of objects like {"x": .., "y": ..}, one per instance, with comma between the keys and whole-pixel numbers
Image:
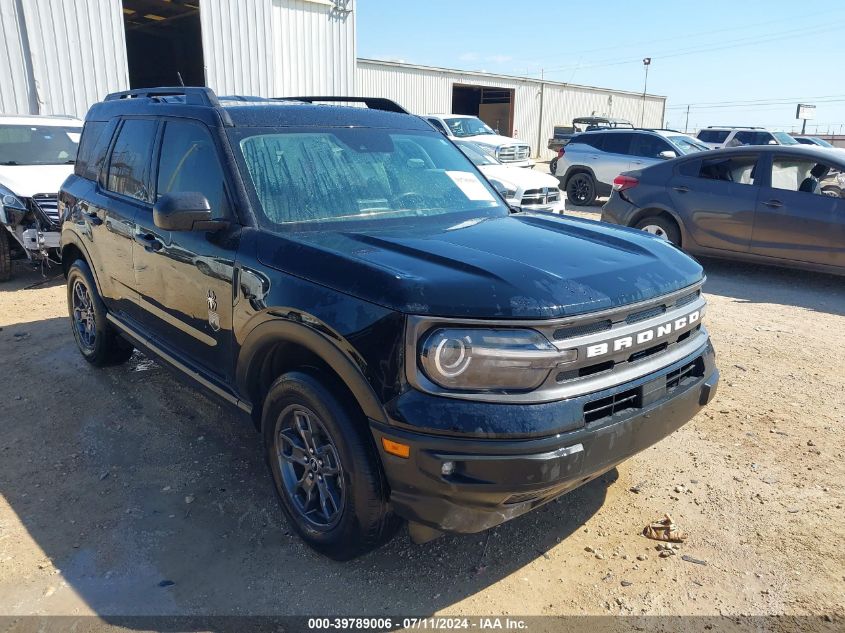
[{"x": 280, "y": 329}]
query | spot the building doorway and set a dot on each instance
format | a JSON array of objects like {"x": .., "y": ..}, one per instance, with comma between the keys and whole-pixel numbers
[
  {"x": 494, "y": 106},
  {"x": 163, "y": 43}
]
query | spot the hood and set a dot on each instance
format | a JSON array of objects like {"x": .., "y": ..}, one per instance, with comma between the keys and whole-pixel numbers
[
  {"x": 27, "y": 180},
  {"x": 493, "y": 140},
  {"x": 516, "y": 266},
  {"x": 522, "y": 177}
]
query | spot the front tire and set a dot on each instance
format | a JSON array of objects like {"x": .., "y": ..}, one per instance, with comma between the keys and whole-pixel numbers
[
  {"x": 553, "y": 167},
  {"x": 581, "y": 189},
  {"x": 661, "y": 227},
  {"x": 325, "y": 468},
  {"x": 97, "y": 340}
]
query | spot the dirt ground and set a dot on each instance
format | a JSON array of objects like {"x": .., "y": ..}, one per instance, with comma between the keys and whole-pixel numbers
[{"x": 124, "y": 493}]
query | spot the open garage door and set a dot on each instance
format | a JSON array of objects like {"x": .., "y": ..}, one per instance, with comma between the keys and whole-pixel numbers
[
  {"x": 163, "y": 43},
  {"x": 494, "y": 106}
]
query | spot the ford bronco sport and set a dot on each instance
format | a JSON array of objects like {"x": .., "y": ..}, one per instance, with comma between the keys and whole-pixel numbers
[{"x": 408, "y": 346}]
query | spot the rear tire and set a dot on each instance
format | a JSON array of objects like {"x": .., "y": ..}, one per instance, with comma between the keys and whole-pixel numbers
[
  {"x": 325, "y": 468},
  {"x": 581, "y": 189},
  {"x": 97, "y": 340},
  {"x": 661, "y": 227},
  {"x": 5, "y": 256}
]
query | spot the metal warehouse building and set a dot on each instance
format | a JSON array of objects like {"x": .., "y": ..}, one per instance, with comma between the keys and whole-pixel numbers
[
  {"x": 60, "y": 56},
  {"x": 516, "y": 106}
]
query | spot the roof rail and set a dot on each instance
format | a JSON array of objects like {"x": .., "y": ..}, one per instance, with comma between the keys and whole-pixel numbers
[
  {"x": 194, "y": 95},
  {"x": 737, "y": 127},
  {"x": 374, "y": 103}
]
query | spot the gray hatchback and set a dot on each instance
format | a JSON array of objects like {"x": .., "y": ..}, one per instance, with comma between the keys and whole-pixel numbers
[{"x": 770, "y": 204}]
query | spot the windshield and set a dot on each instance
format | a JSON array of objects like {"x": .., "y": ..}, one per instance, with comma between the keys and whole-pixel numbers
[
  {"x": 476, "y": 153},
  {"x": 822, "y": 142},
  {"x": 344, "y": 174},
  {"x": 468, "y": 127},
  {"x": 785, "y": 139},
  {"x": 38, "y": 144},
  {"x": 687, "y": 144}
]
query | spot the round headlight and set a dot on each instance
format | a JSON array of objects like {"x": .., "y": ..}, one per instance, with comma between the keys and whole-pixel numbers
[{"x": 452, "y": 356}]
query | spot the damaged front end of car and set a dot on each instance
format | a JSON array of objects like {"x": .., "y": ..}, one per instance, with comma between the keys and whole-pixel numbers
[{"x": 33, "y": 227}]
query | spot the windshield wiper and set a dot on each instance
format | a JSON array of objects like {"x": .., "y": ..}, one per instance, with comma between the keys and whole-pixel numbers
[
  {"x": 70, "y": 162},
  {"x": 9, "y": 163}
]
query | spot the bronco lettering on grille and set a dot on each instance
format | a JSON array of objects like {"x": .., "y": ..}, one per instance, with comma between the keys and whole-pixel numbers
[{"x": 624, "y": 342}]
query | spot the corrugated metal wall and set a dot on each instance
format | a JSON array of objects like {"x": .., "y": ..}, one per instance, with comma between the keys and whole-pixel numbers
[
  {"x": 279, "y": 47},
  {"x": 425, "y": 90},
  {"x": 61, "y": 55}
]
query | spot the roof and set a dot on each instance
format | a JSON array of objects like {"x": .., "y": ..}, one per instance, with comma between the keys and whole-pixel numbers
[
  {"x": 45, "y": 120},
  {"x": 813, "y": 152},
  {"x": 253, "y": 111}
]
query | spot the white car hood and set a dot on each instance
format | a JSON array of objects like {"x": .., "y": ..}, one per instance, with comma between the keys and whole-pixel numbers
[
  {"x": 524, "y": 178},
  {"x": 27, "y": 180},
  {"x": 493, "y": 140}
]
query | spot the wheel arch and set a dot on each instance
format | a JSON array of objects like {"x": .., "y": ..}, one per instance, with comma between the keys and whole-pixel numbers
[
  {"x": 572, "y": 170},
  {"x": 659, "y": 211},
  {"x": 72, "y": 249},
  {"x": 279, "y": 346}
]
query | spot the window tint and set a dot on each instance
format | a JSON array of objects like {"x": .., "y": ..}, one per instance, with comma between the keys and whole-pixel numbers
[
  {"x": 90, "y": 140},
  {"x": 438, "y": 125},
  {"x": 799, "y": 174},
  {"x": 713, "y": 136},
  {"x": 189, "y": 162},
  {"x": 690, "y": 168},
  {"x": 617, "y": 143},
  {"x": 650, "y": 146},
  {"x": 593, "y": 140},
  {"x": 737, "y": 169},
  {"x": 130, "y": 159},
  {"x": 746, "y": 137}
]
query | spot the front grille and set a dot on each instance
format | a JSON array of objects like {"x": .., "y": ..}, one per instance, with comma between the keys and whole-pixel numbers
[
  {"x": 513, "y": 153},
  {"x": 546, "y": 195},
  {"x": 582, "y": 330},
  {"x": 644, "y": 315},
  {"x": 687, "y": 373},
  {"x": 605, "y": 407},
  {"x": 49, "y": 205},
  {"x": 687, "y": 299}
]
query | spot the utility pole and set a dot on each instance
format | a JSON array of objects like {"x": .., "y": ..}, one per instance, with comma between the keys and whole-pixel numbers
[
  {"x": 646, "y": 64},
  {"x": 686, "y": 125},
  {"x": 540, "y": 122}
]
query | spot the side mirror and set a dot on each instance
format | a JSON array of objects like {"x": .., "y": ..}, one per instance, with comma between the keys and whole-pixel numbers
[
  {"x": 183, "y": 211},
  {"x": 667, "y": 154}
]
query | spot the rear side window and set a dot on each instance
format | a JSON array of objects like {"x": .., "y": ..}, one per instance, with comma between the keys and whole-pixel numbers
[
  {"x": 593, "y": 140},
  {"x": 741, "y": 170},
  {"x": 130, "y": 159},
  {"x": 617, "y": 143},
  {"x": 713, "y": 136},
  {"x": 189, "y": 162},
  {"x": 86, "y": 158},
  {"x": 753, "y": 138}
]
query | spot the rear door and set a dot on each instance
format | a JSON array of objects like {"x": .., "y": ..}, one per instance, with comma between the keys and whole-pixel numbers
[
  {"x": 795, "y": 220},
  {"x": 185, "y": 278},
  {"x": 615, "y": 156},
  {"x": 717, "y": 197}
]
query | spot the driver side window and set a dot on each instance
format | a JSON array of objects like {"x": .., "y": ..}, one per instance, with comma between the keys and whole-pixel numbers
[{"x": 188, "y": 162}]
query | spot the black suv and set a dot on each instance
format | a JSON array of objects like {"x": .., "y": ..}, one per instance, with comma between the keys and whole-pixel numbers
[{"x": 407, "y": 344}]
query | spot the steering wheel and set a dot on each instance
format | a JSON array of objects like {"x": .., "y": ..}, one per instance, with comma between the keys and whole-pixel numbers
[{"x": 410, "y": 195}]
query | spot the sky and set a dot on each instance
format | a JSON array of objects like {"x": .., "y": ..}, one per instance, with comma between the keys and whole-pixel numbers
[{"x": 744, "y": 62}]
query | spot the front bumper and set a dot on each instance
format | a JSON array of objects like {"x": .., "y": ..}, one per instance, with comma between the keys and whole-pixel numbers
[{"x": 495, "y": 480}]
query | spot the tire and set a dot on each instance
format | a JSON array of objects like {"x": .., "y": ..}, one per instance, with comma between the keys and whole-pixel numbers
[
  {"x": 553, "y": 167},
  {"x": 5, "y": 256},
  {"x": 661, "y": 227},
  {"x": 97, "y": 340},
  {"x": 581, "y": 189},
  {"x": 348, "y": 514}
]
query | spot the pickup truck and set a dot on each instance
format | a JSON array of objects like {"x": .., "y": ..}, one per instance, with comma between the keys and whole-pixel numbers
[
  {"x": 507, "y": 150},
  {"x": 408, "y": 345},
  {"x": 562, "y": 134}
]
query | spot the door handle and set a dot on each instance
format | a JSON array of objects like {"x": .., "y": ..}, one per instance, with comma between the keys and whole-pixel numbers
[
  {"x": 774, "y": 204},
  {"x": 681, "y": 189},
  {"x": 149, "y": 241}
]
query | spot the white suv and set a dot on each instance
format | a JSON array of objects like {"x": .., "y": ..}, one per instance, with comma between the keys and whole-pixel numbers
[
  {"x": 37, "y": 153},
  {"x": 507, "y": 150},
  {"x": 588, "y": 164},
  {"x": 717, "y": 137}
]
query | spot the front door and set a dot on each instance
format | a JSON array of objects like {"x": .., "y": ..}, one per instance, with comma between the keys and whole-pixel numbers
[
  {"x": 185, "y": 277},
  {"x": 795, "y": 220}
]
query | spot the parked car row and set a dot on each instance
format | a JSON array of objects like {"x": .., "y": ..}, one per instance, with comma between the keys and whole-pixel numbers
[{"x": 775, "y": 204}]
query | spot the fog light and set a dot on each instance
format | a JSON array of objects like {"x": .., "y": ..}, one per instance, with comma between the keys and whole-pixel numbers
[{"x": 447, "y": 468}]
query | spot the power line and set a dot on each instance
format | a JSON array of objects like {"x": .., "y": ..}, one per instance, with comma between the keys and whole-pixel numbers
[{"x": 761, "y": 100}]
